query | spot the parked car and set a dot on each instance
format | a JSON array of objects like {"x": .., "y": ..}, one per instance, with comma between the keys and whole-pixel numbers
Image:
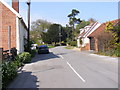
[{"x": 43, "y": 49}]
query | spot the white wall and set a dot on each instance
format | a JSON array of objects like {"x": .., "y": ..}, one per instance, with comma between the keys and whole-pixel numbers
[{"x": 20, "y": 35}]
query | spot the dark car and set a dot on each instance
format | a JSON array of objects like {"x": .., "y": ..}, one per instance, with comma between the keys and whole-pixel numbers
[{"x": 43, "y": 49}]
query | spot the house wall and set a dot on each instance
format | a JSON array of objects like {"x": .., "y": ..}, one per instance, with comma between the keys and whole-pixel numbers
[
  {"x": 21, "y": 34},
  {"x": 8, "y": 19},
  {"x": 85, "y": 41}
]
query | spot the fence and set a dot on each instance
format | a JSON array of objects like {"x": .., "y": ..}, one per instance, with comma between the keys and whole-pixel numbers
[{"x": 8, "y": 55}]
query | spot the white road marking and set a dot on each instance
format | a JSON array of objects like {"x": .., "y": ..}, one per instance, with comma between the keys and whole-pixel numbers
[
  {"x": 61, "y": 56},
  {"x": 76, "y": 72}
]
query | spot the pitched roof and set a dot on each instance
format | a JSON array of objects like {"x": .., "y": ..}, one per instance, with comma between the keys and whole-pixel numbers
[
  {"x": 92, "y": 27},
  {"x": 11, "y": 9},
  {"x": 102, "y": 27}
]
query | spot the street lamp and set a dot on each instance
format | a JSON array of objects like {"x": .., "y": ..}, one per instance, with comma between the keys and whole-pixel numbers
[{"x": 28, "y": 36}]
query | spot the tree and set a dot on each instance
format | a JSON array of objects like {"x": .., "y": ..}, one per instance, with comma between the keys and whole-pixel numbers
[
  {"x": 82, "y": 24},
  {"x": 115, "y": 29},
  {"x": 38, "y": 27},
  {"x": 91, "y": 20},
  {"x": 52, "y": 35},
  {"x": 73, "y": 20}
]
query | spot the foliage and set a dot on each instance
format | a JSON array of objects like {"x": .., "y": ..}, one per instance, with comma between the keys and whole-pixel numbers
[
  {"x": 24, "y": 57},
  {"x": 53, "y": 34},
  {"x": 9, "y": 69},
  {"x": 69, "y": 47},
  {"x": 50, "y": 46},
  {"x": 111, "y": 52},
  {"x": 91, "y": 20},
  {"x": 8, "y": 72},
  {"x": 109, "y": 26},
  {"x": 72, "y": 21},
  {"x": 73, "y": 43},
  {"x": 38, "y": 27},
  {"x": 33, "y": 52},
  {"x": 69, "y": 33},
  {"x": 115, "y": 30},
  {"x": 82, "y": 24},
  {"x": 72, "y": 18},
  {"x": 111, "y": 40}
]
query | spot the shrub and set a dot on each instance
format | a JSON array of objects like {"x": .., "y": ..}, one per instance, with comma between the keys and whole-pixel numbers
[
  {"x": 9, "y": 71},
  {"x": 33, "y": 52},
  {"x": 24, "y": 57},
  {"x": 73, "y": 43}
]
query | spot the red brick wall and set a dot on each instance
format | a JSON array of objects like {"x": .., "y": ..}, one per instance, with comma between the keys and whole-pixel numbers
[
  {"x": 0, "y": 25},
  {"x": 8, "y": 19}
]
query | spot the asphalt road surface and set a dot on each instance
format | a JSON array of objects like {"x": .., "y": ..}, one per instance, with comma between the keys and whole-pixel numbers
[{"x": 65, "y": 68}]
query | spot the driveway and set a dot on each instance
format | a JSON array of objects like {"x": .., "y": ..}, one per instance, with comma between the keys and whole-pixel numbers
[{"x": 65, "y": 68}]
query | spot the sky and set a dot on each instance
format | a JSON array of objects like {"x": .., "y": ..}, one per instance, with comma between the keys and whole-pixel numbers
[{"x": 56, "y": 12}]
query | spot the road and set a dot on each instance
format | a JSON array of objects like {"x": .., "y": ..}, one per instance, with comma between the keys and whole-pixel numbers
[{"x": 65, "y": 68}]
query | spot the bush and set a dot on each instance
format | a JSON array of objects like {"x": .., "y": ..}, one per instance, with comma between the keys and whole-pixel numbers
[
  {"x": 33, "y": 52},
  {"x": 24, "y": 57},
  {"x": 9, "y": 71},
  {"x": 73, "y": 43}
]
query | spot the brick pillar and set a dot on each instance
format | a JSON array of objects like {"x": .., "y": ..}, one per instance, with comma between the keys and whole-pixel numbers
[{"x": 96, "y": 44}]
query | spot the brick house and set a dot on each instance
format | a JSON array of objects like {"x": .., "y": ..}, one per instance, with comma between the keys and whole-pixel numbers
[
  {"x": 12, "y": 27},
  {"x": 83, "y": 36},
  {"x": 96, "y": 43}
]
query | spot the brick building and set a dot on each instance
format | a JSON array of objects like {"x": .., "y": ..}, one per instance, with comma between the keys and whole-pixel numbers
[
  {"x": 97, "y": 37},
  {"x": 12, "y": 27},
  {"x": 84, "y": 33}
]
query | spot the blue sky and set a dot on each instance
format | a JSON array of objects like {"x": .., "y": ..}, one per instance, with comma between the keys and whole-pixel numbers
[{"x": 57, "y": 12}]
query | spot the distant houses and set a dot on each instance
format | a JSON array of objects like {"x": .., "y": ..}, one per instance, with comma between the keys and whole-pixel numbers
[
  {"x": 91, "y": 37},
  {"x": 13, "y": 28}
]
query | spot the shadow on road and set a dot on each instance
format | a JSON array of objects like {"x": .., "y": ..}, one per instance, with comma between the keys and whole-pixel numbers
[
  {"x": 42, "y": 57},
  {"x": 24, "y": 80}
]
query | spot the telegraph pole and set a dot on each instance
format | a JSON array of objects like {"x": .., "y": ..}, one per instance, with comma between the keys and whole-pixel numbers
[
  {"x": 60, "y": 35},
  {"x": 28, "y": 35}
]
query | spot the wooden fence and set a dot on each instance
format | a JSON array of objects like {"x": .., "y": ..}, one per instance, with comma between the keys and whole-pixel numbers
[{"x": 8, "y": 55}]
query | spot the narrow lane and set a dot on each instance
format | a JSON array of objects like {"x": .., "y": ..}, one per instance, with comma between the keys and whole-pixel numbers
[
  {"x": 64, "y": 68},
  {"x": 98, "y": 71}
]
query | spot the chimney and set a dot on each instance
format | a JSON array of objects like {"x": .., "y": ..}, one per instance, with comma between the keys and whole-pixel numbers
[{"x": 15, "y": 5}]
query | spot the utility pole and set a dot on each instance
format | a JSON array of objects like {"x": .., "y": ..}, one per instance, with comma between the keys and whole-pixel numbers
[
  {"x": 60, "y": 35},
  {"x": 28, "y": 35}
]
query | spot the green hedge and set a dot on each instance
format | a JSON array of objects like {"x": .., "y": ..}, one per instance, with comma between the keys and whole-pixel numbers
[{"x": 9, "y": 69}]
